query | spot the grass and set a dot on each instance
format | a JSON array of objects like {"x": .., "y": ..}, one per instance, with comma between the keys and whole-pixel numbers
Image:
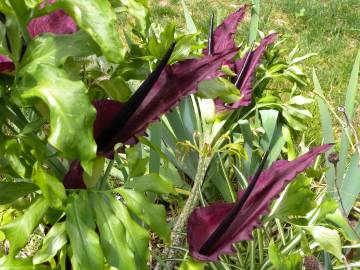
[{"x": 330, "y": 28}]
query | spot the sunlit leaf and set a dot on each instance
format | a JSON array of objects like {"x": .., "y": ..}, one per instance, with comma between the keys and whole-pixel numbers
[
  {"x": 18, "y": 231},
  {"x": 54, "y": 240},
  {"x": 84, "y": 241},
  {"x": 71, "y": 113}
]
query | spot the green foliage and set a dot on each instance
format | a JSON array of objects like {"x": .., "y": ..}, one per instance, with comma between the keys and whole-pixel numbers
[{"x": 47, "y": 122}]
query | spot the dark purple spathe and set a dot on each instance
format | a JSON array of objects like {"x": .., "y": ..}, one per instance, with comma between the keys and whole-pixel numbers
[{"x": 204, "y": 221}]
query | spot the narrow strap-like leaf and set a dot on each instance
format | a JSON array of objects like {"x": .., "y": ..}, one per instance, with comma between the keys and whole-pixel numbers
[
  {"x": 210, "y": 243},
  {"x": 134, "y": 102}
]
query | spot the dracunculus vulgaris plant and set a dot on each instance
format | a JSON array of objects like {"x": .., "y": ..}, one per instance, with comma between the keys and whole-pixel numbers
[
  {"x": 212, "y": 230},
  {"x": 168, "y": 84},
  {"x": 121, "y": 122},
  {"x": 245, "y": 67}
]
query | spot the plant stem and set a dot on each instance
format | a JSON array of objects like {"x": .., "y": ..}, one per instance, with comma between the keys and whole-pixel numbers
[{"x": 177, "y": 238}]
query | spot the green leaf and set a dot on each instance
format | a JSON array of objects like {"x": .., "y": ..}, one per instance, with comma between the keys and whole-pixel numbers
[
  {"x": 327, "y": 131},
  {"x": 190, "y": 25},
  {"x": 116, "y": 88},
  {"x": 283, "y": 262},
  {"x": 338, "y": 219},
  {"x": 112, "y": 233},
  {"x": 137, "y": 165},
  {"x": 32, "y": 3},
  {"x": 98, "y": 18},
  {"x": 84, "y": 241},
  {"x": 54, "y": 50},
  {"x": 351, "y": 92},
  {"x": 12, "y": 154},
  {"x": 19, "y": 230},
  {"x": 151, "y": 182},
  {"x": 137, "y": 237},
  {"x": 350, "y": 188},
  {"x": 328, "y": 239},
  {"x": 152, "y": 214},
  {"x": 71, "y": 113},
  {"x": 300, "y": 100},
  {"x": 52, "y": 189},
  {"x": 298, "y": 199},
  {"x": 140, "y": 12},
  {"x": 254, "y": 22},
  {"x": 219, "y": 87},
  {"x": 54, "y": 240},
  {"x": 10, "y": 191},
  {"x": 7, "y": 263},
  {"x": 190, "y": 264}
]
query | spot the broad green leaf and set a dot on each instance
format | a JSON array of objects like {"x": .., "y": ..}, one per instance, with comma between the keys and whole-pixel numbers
[
  {"x": 298, "y": 199},
  {"x": 32, "y": 3},
  {"x": 300, "y": 100},
  {"x": 327, "y": 206},
  {"x": 54, "y": 50},
  {"x": 350, "y": 187},
  {"x": 12, "y": 154},
  {"x": 283, "y": 262},
  {"x": 155, "y": 140},
  {"x": 98, "y": 18},
  {"x": 327, "y": 131},
  {"x": 11, "y": 191},
  {"x": 112, "y": 233},
  {"x": 140, "y": 12},
  {"x": 22, "y": 13},
  {"x": 5, "y": 8},
  {"x": 190, "y": 25},
  {"x": 338, "y": 219},
  {"x": 137, "y": 165},
  {"x": 71, "y": 113},
  {"x": 19, "y": 230},
  {"x": 152, "y": 214},
  {"x": 84, "y": 241},
  {"x": 328, "y": 239},
  {"x": 219, "y": 87},
  {"x": 351, "y": 93},
  {"x": 190, "y": 264},
  {"x": 13, "y": 33},
  {"x": 52, "y": 189},
  {"x": 269, "y": 120},
  {"x": 116, "y": 88},
  {"x": 9, "y": 263},
  {"x": 151, "y": 182},
  {"x": 352, "y": 90},
  {"x": 254, "y": 22},
  {"x": 53, "y": 242},
  {"x": 137, "y": 237}
]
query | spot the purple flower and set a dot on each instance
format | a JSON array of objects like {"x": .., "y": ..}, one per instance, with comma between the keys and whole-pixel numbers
[
  {"x": 121, "y": 122},
  {"x": 6, "y": 64},
  {"x": 246, "y": 68},
  {"x": 57, "y": 22},
  {"x": 244, "y": 214},
  {"x": 223, "y": 38}
]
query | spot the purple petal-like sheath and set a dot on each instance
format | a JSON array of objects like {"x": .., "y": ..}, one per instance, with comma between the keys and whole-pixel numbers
[
  {"x": 247, "y": 75},
  {"x": 6, "y": 64},
  {"x": 57, "y": 22},
  {"x": 223, "y": 37},
  {"x": 204, "y": 221},
  {"x": 175, "y": 82}
]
